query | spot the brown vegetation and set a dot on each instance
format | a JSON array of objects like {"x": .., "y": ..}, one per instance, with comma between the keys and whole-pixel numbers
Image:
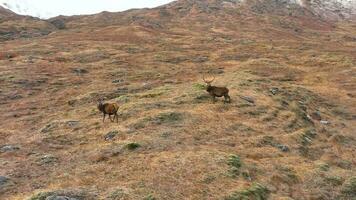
[{"x": 288, "y": 134}]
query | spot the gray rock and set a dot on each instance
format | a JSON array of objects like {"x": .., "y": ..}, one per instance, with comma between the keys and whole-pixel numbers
[
  {"x": 9, "y": 148},
  {"x": 324, "y": 122},
  {"x": 49, "y": 127},
  {"x": 54, "y": 197},
  {"x": 47, "y": 159},
  {"x": 118, "y": 81},
  {"x": 283, "y": 148},
  {"x": 71, "y": 194},
  {"x": 111, "y": 135},
  {"x": 15, "y": 96},
  {"x": 200, "y": 59},
  {"x": 3, "y": 180},
  {"x": 79, "y": 71},
  {"x": 73, "y": 123},
  {"x": 274, "y": 91},
  {"x": 248, "y": 99}
]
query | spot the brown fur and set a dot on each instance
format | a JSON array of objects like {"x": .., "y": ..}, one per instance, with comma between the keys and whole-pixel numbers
[
  {"x": 109, "y": 109},
  {"x": 217, "y": 91}
]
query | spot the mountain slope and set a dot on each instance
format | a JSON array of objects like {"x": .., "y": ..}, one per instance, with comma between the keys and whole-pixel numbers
[
  {"x": 24, "y": 7},
  {"x": 287, "y": 134},
  {"x": 6, "y": 14},
  {"x": 332, "y": 9},
  {"x": 328, "y": 9},
  {"x": 309, "y": 14},
  {"x": 14, "y": 26}
]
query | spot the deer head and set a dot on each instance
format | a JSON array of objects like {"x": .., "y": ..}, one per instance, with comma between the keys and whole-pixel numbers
[{"x": 100, "y": 103}]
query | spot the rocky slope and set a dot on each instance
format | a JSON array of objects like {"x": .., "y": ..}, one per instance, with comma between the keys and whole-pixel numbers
[
  {"x": 305, "y": 14},
  {"x": 287, "y": 134},
  {"x": 332, "y": 9}
]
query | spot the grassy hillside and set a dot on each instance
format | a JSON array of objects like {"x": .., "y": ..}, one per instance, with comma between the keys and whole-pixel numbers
[{"x": 289, "y": 132}]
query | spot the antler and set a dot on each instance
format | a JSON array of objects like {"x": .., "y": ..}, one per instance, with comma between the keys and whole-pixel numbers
[{"x": 208, "y": 81}]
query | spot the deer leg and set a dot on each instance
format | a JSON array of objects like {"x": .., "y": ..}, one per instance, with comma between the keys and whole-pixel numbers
[
  {"x": 117, "y": 118},
  {"x": 227, "y": 98},
  {"x": 104, "y": 117},
  {"x": 214, "y": 99},
  {"x": 110, "y": 118}
]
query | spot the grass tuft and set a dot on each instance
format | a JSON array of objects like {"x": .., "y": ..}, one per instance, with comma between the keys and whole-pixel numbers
[
  {"x": 199, "y": 86},
  {"x": 117, "y": 194},
  {"x": 169, "y": 117},
  {"x": 349, "y": 188},
  {"x": 235, "y": 164},
  {"x": 334, "y": 180},
  {"x": 149, "y": 197},
  {"x": 255, "y": 192},
  {"x": 41, "y": 196},
  {"x": 132, "y": 146},
  {"x": 307, "y": 137}
]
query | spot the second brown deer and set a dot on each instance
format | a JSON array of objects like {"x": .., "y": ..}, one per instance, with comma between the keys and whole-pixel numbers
[
  {"x": 108, "y": 109},
  {"x": 215, "y": 91}
]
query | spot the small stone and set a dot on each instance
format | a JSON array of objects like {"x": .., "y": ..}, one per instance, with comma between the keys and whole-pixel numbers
[
  {"x": 111, "y": 135},
  {"x": 324, "y": 122},
  {"x": 72, "y": 123},
  {"x": 274, "y": 91},
  {"x": 3, "y": 180},
  {"x": 47, "y": 159},
  {"x": 49, "y": 127},
  {"x": 8, "y": 148},
  {"x": 54, "y": 197},
  {"x": 15, "y": 97},
  {"x": 118, "y": 81},
  {"x": 309, "y": 117},
  {"x": 283, "y": 148},
  {"x": 248, "y": 99},
  {"x": 80, "y": 71},
  {"x": 200, "y": 59}
]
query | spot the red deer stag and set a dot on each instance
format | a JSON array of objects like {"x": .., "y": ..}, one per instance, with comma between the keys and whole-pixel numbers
[
  {"x": 108, "y": 109},
  {"x": 217, "y": 91}
]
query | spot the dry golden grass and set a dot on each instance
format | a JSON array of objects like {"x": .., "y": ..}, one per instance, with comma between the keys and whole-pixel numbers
[{"x": 48, "y": 109}]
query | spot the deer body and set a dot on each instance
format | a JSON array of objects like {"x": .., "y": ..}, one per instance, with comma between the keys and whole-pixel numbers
[
  {"x": 109, "y": 109},
  {"x": 215, "y": 91}
]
